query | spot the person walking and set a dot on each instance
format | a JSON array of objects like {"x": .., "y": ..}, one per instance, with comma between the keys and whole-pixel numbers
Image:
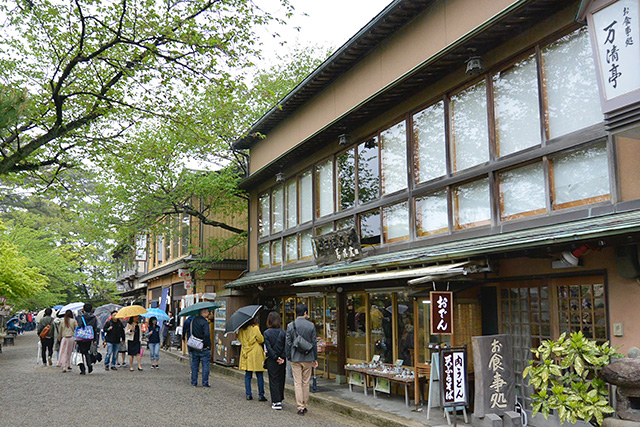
[
  {"x": 199, "y": 328},
  {"x": 169, "y": 327},
  {"x": 302, "y": 350},
  {"x": 84, "y": 347},
  {"x": 67, "y": 328},
  {"x": 113, "y": 337},
  {"x": 153, "y": 334},
  {"x": 46, "y": 342},
  {"x": 252, "y": 357},
  {"x": 275, "y": 342},
  {"x": 132, "y": 334}
]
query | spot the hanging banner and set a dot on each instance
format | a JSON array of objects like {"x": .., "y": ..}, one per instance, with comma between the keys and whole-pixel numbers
[
  {"x": 441, "y": 313},
  {"x": 163, "y": 299},
  {"x": 453, "y": 384}
]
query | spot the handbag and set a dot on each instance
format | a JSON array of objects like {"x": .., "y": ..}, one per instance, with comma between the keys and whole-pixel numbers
[
  {"x": 194, "y": 343},
  {"x": 45, "y": 331},
  {"x": 76, "y": 358},
  {"x": 299, "y": 343},
  {"x": 83, "y": 333}
]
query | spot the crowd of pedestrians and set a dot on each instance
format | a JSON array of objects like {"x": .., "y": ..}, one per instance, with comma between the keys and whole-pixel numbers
[{"x": 260, "y": 352}]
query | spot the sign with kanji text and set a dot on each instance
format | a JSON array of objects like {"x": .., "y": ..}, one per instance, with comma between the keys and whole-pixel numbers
[
  {"x": 494, "y": 376},
  {"x": 188, "y": 284},
  {"x": 341, "y": 245},
  {"x": 453, "y": 378},
  {"x": 441, "y": 313}
]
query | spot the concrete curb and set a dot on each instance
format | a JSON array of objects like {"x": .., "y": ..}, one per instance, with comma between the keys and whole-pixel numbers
[{"x": 331, "y": 403}]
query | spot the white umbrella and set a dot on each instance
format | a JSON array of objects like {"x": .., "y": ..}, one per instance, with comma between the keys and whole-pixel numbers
[
  {"x": 40, "y": 314},
  {"x": 74, "y": 306}
]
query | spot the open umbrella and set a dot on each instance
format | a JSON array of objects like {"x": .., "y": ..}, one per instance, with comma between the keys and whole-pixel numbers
[
  {"x": 157, "y": 313},
  {"x": 102, "y": 318},
  {"x": 57, "y": 307},
  {"x": 195, "y": 308},
  {"x": 131, "y": 310},
  {"x": 40, "y": 315},
  {"x": 107, "y": 308},
  {"x": 74, "y": 306},
  {"x": 240, "y": 317}
]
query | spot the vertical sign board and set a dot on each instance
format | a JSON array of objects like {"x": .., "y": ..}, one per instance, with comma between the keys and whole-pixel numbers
[
  {"x": 615, "y": 37},
  {"x": 163, "y": 299},
  {"x": 495, "y": 379},
  {"x": 441, "y": 313},
  {"x": 453, "y": 377}
]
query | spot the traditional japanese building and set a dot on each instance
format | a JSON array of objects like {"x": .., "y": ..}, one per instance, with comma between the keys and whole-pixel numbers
[{"x": 463, "y": 145}]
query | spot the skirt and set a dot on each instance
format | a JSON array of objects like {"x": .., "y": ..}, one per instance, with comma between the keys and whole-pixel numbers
[
  {"x": 133, "y": 348},
  {"x": 122, "y": 348}
]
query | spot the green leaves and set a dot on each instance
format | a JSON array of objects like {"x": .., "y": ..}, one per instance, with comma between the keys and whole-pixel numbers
[{"x": 571, "y": 387}]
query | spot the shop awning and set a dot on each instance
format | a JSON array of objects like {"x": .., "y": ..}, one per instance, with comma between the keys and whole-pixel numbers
[{"x": 459, "y": 268}]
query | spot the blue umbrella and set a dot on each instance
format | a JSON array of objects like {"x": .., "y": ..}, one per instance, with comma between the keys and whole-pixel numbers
[
  {"x": 74, "y": 306},
  {"x": 157, "y": 313},
  {"x": 57, "y": 307}
]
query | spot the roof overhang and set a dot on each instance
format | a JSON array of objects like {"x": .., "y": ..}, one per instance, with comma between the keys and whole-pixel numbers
[
  {"x": 404, "y": 262},
  {"x": 502, "y": 27}
]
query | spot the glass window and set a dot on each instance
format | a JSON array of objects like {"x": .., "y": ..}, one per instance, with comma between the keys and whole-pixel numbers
[
  {"x": 395, "y": 222},
  {"x": 370, "y": 227},
  {"x": 264, "y": 215},
  {"x": 404, "y": 322},
  {"x": 580, "y": 177},
  {"x": 291, "y": 201},
  {"x": 324, "y": 188},
  {"x": 472, "y": 204},
  {"x": 291, "y": 248},
  {"x": 276, "y": 252},
  {"x": 160, "y": 249},
  {"x": 356, "y": 339},
  {"x": 263, "y": 255},
  {"x": 324, "y": 229},
  {"x": 167, "y": 238},
  {"x": 432, "y": 214},
  {"x": 345, "y": 223},
  {"x": 522, "y": 192},
  {"x": 175, "y": 235},
  {"x": 517, "y": 113},
  {"x": 393, "y": 146},
  {"x": 368, "y": 171},
  {"x": 430, "y": 160},
  {"x": 346, "y": 165},
  {"x": 186, "y": 233},
  {"x": 469, "y": 129},
  {"x": 380, "y": 325},
  {"x": 277, "y": 206},
  {"x": 571, "y": 89},
  {"x": 306, "y": 197},
  {"x": 305, "y": 246}
]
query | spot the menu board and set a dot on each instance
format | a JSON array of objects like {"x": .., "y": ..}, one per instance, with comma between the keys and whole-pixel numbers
[{"x": 220, "y": 317}]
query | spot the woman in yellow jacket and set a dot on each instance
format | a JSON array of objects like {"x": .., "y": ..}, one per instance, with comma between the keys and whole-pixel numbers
[{"x": 252, "y": 357}]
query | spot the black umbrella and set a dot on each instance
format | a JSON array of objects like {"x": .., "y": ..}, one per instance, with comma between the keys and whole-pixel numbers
[{"x": 240, "y": 317}]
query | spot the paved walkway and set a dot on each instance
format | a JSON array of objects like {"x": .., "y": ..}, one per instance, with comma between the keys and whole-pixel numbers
[{"x": 32, "y": 395}]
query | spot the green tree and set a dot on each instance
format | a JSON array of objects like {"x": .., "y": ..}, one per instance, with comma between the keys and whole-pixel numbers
[
  {"x": 93, "y": 68},
  {"x": 565, "y": 377}
]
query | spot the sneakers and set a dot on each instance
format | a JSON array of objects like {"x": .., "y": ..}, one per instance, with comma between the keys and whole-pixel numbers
[
  {"x": 106, "y": 368},
  {"x": 301, "y": 412},
  {"x": 262, "y": 399},
  {"x": 277, "y": 406},
  {"x": 113, "y": 368},
  {"x": 49, "y": 360}
]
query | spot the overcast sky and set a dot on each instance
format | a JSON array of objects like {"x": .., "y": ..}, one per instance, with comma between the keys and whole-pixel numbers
[{"x": 328, "y": 23}]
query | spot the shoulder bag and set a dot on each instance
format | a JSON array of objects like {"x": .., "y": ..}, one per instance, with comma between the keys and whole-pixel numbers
[
  {"x": 83, "y": 333},
  {"x": 45, "y": 331},
  {"x": 299, "y": 343},
  {"x": 194, "y": 343}
]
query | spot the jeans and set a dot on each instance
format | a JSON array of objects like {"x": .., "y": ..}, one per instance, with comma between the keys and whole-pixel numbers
[
  {"x": 247, "y": 383},
  {"x": 154, "y": 351},
  {"x": 198, "y": 357},
  {"x": 112, "y": 353}
]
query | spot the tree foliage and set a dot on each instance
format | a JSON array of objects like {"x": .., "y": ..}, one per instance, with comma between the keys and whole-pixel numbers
[
  {"x": 92, "y": 68},
  {"x": 565, "y": 377}
]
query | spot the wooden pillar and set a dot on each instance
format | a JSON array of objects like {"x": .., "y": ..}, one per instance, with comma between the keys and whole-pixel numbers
[{"x": 342, "y": 333}]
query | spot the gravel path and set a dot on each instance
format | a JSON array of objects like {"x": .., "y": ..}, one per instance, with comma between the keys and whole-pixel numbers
[{"x": 32, "y": 395}]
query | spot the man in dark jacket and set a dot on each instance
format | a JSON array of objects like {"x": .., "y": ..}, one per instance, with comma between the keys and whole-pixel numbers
[
  {"x": 302, "y": 361},
  {"x": 47, "y": 341},
  {"x": 199, "y": 326},
  {"x": 84, "y": 347},
  {"x": 114, "y": 335}
]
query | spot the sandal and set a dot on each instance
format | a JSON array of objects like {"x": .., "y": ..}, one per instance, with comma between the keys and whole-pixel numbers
[
  {"x": 131, "y": 370},
  {"x": 140, "y": 369}
]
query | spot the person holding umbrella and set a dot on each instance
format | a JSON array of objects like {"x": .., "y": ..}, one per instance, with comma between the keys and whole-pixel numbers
[
  {"x": 252, "y": 357},
  {"x": 199, "y": 328},
  {"x": 132, "y": 334},
  {"x": 84, "y": 347}
]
